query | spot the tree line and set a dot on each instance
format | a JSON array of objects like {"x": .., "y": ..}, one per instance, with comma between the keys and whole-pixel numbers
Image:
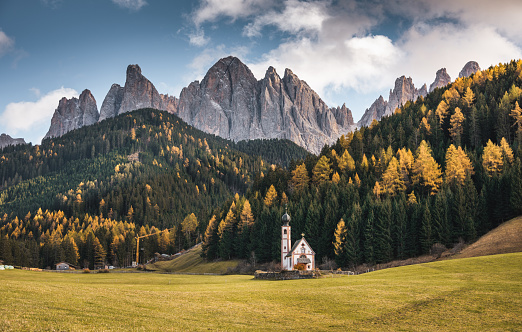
[{"x": 443, "y": 169}]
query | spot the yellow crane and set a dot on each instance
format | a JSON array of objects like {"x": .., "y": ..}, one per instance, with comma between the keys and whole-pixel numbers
[{"x": 141, "y": 237}]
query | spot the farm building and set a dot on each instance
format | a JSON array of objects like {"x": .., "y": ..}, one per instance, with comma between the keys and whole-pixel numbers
[{"x": 64, "y": 266}]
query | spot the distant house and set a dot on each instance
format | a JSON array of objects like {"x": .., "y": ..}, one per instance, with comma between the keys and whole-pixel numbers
[{"x": 64, "y": 266}]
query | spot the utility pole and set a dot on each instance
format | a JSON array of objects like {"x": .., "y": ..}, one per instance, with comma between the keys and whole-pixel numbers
[{"x": 138, "y": 244}]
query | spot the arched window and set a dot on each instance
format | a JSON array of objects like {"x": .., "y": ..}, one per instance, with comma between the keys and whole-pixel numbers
[{"x": 284, "y": 232}]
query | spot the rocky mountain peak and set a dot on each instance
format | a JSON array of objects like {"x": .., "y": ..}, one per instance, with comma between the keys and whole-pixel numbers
[
  {"x": 6, "y": 140},
  {"x": 272, "y": 76},
  {"x": 231, "y": 103},
  {"x": 469, "y": 69},
  {"x": 133, "y": 73},
  {"x": 73, "y": 113},
  {"x": 137, "y": 93},
  {"x": 404, "y": 90},
  {"x": 441, "y": 79}
]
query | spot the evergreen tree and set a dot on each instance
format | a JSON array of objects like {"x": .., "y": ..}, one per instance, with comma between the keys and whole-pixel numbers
[
  {"x": 426, "y": 236},
  {"x": 516, "y": 188},
  {"x": 99, "y": 254},
  {"x": 382, "y": 240},
  {"x": 211, "y": 239},
  {"x": 352, "y": 245},
  {"x": 369, "y": 249}
]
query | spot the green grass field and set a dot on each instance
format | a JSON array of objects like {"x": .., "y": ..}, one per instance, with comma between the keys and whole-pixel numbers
[
  {"x": 192, "y": 262},
  {"x": 472, "y": 294}
]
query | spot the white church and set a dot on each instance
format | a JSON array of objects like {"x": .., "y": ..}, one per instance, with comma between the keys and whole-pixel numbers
[{"x": 299, "y": 253}]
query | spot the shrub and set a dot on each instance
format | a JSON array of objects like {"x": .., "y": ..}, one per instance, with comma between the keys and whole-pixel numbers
[
  {"x": 86, "y": 270},
  {"x": 300, "y": 267},
  {"x": 103, "y": 271}
]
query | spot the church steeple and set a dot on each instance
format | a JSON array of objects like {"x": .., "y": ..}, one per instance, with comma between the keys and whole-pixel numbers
[
  {"x": 286, "y": 239},
  {"x": 285, "y": 218}
]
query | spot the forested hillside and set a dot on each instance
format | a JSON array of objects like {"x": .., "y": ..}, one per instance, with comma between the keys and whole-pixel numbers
[
  {"x": 145, "y": 168},
  {"x": 444, "y": 169}
]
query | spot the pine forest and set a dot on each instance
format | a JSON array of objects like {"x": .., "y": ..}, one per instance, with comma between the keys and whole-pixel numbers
[{"x": 441, "y": 170}]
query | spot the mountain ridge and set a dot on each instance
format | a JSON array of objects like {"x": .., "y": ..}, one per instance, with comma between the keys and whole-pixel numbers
[{"x": 231, "y": 103}]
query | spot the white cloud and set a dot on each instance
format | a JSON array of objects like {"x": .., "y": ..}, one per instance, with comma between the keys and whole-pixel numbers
[
  {"x": 131, "y": 4},
  {"x": 211, "y": 10},
  {"x": 340, "y": 45},
  {"x": 503, "y": 15},
  {"x": 198, "y": 38},
  {"x": 22, "y": 116},
  {"x": 296, "y": 16},
  {"x": 429, "y": 48},
  {"x": 6, "y": 43},
  {"x": 358, "y": 63}
]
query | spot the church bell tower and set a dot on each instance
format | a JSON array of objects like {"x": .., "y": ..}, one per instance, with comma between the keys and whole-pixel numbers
[{"x": 286, "y": 238}]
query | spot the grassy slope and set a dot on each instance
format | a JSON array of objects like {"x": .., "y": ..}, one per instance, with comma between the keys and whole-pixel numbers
[
  {"x": 506, "y": 238},
  {"x": 191, "y": 262},
  {"x": 483, "y": 293}
]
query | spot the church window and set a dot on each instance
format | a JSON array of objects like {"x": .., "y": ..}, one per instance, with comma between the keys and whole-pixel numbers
[
  {"x": 303, "y": 250},
  {"x": 284, "y": 232}
]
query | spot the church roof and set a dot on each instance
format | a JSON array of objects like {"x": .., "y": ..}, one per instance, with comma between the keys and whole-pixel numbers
[{"x": 296, "y": 243}]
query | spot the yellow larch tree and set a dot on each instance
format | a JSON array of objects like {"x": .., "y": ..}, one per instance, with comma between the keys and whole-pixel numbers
[
  {"x": 456, "y": 129},
  {"x": 357, "y": 180},
  {"x": 469, "y": 97},
  {"x": 247, "y": 218},
  {"x": 377, "y": 189},
  {"x": 411, "y": 198},
  {"x": 346, "y": 162},
  {"x": 442, "y": 111},
  {"x": 507, "y": 152},
  {"x": 492, "y": 160},
  {"x": 299, "y": 180},
  {"x": 458, "y": 166},
  {"x": 322, "y": 170},
  {"x": 336, "y": 178},
  {"x": 271, "y": 196},
  {"x": 426, "y": 172},
  {"x": 391, "y": 179},
  {"x": 516, "y": 114},
  {"x": 425, "y": 126},
  {"x": 339, "y": 237},
  {"x": 364, "y": 163}
]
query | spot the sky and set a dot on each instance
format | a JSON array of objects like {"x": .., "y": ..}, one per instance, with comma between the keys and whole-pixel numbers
[{"x": 348, "y": 51}]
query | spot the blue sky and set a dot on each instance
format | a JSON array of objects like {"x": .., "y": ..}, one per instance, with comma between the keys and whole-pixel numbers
[{"x": 348, "y": 51}]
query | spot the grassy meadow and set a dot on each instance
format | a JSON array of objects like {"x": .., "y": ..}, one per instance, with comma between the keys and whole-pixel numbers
[
  {"x": 482, "y": 293},
  {"x": 192, "y": 262}
]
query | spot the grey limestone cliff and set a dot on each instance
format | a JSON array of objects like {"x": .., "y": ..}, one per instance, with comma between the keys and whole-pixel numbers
[
  {"x": 73, "y": 113},
  {"x": 6, "y": 140},
  {"x": 403, "y": 91},
  {"x": 137, "y": 93},
  {"x": 469, "y": 69},
  {"x": 441, "y": 79},
  {"x": 231, "y": 103}
]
